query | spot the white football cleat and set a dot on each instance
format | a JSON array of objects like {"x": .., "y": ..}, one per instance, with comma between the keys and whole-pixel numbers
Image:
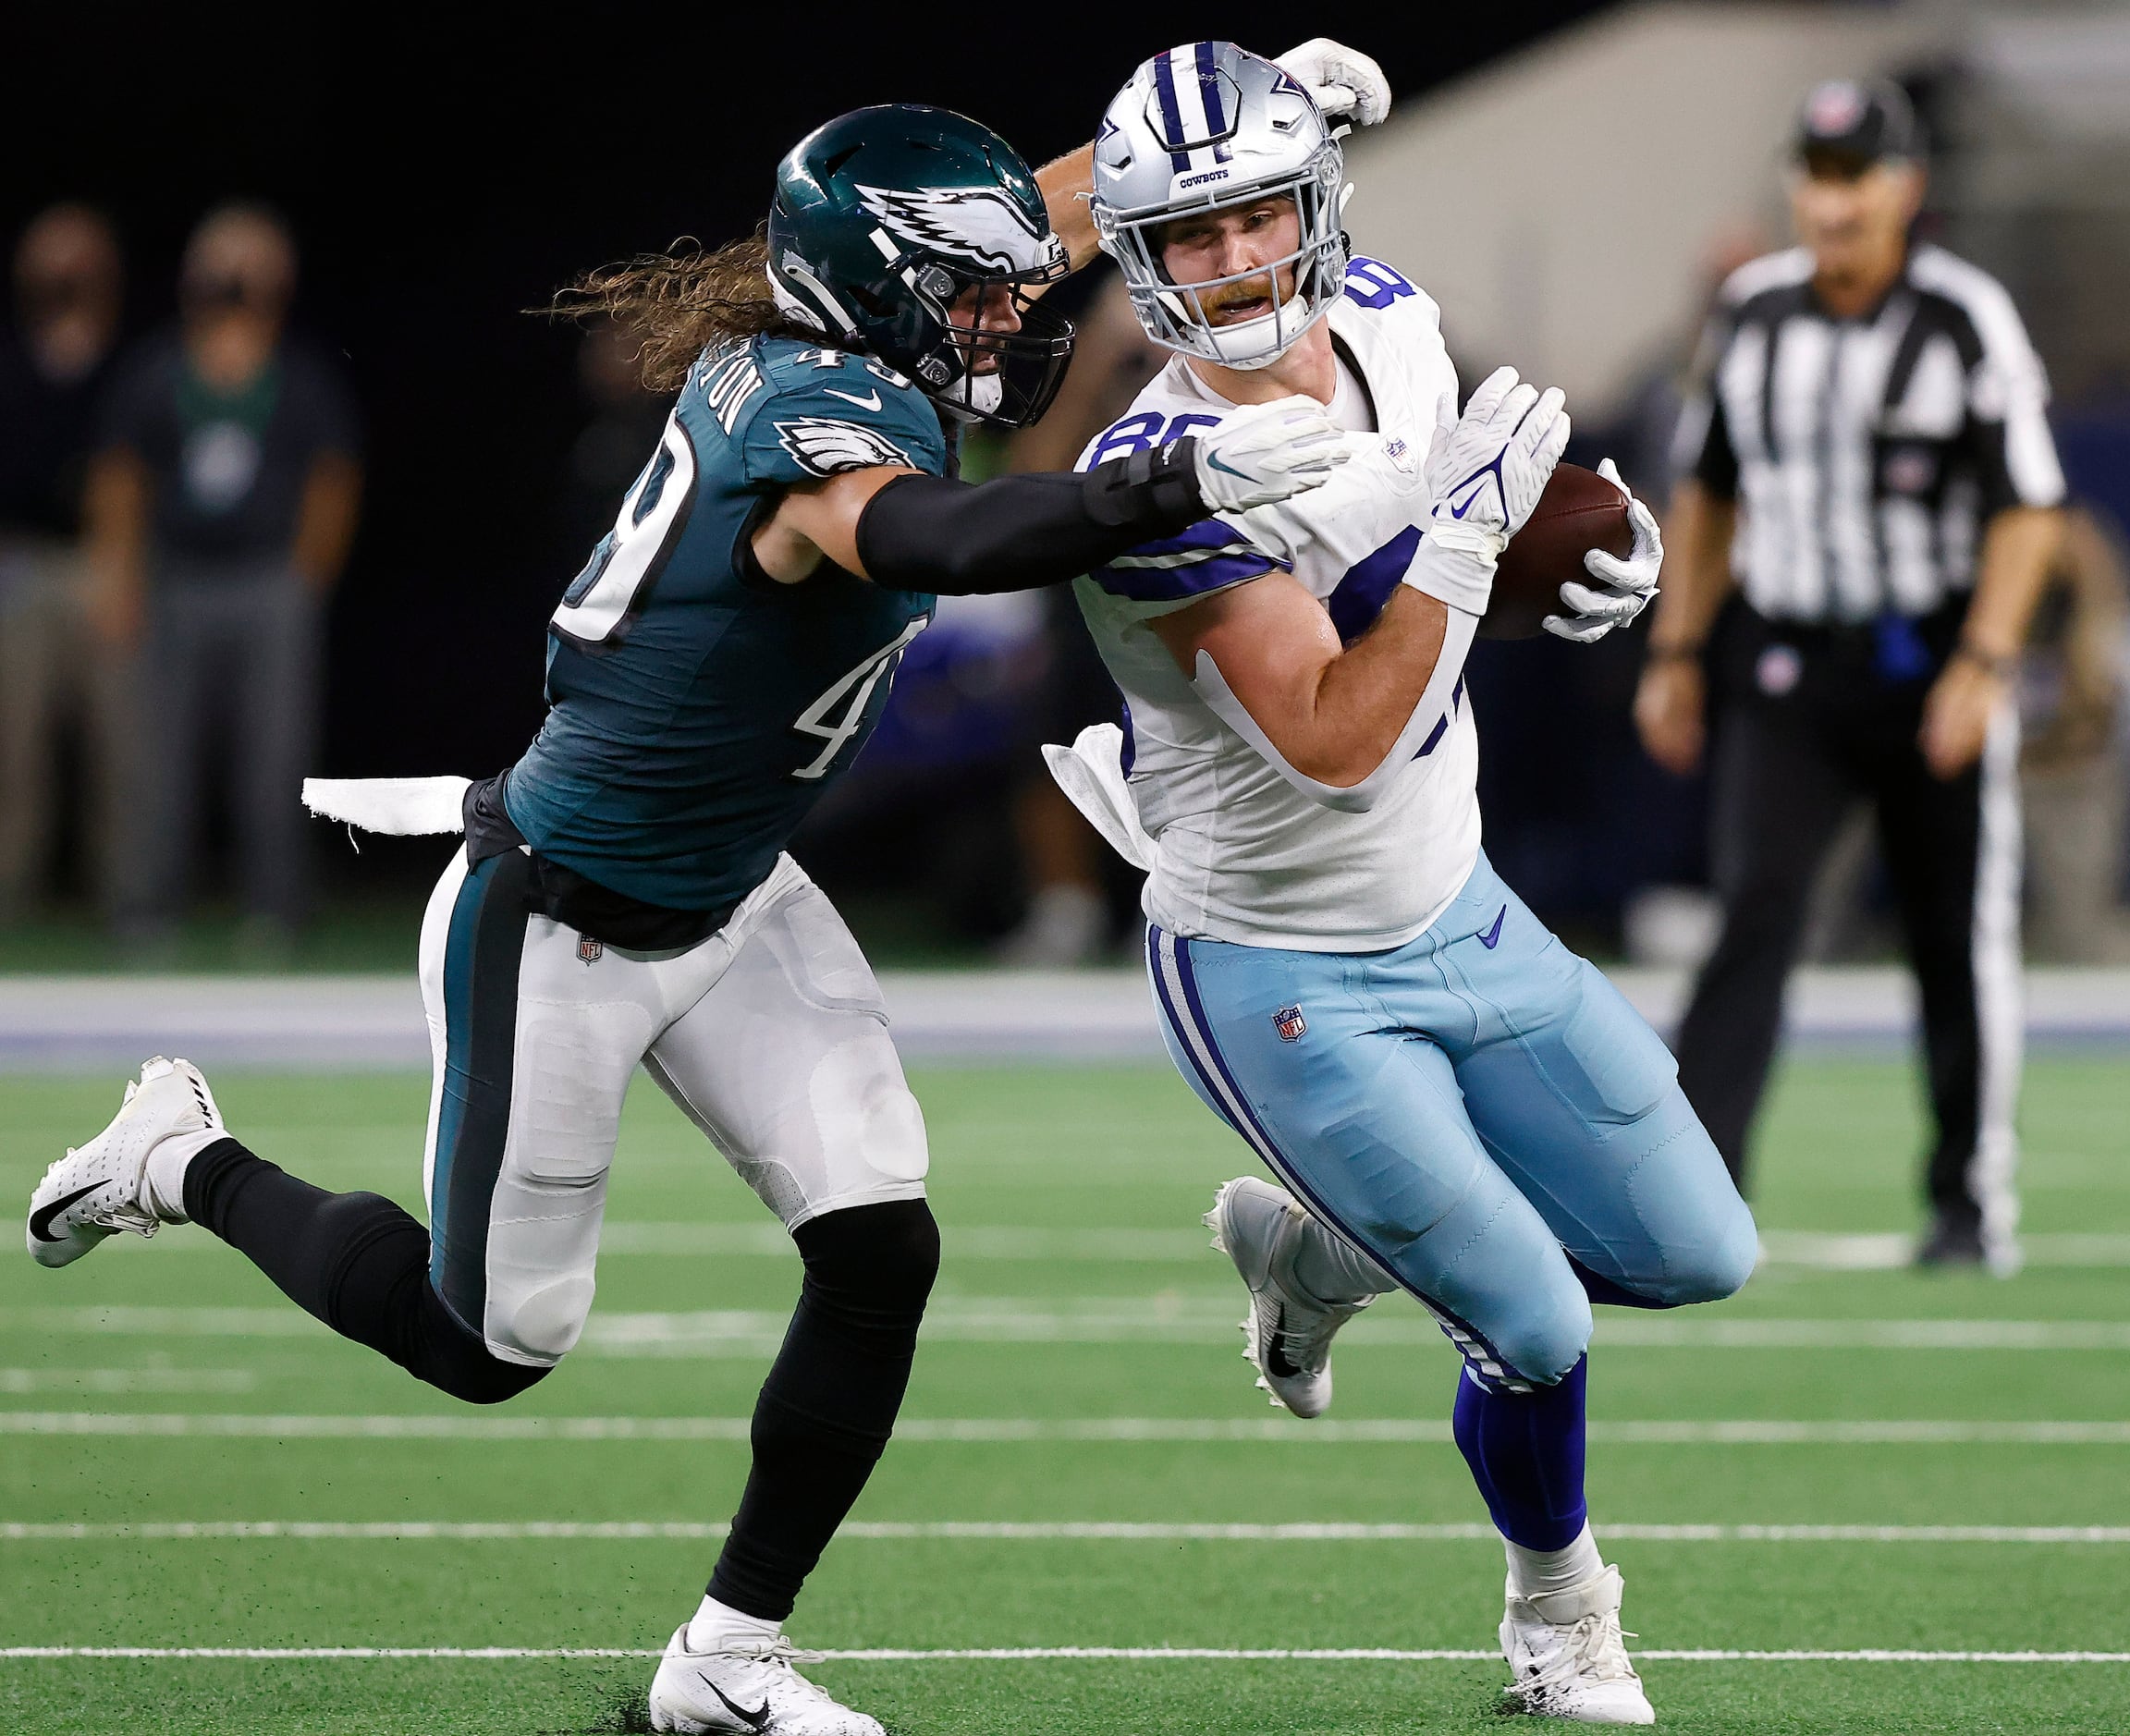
[
  {"x": 99, "y": 1190},
  {"x": 750, "y": 1691},
  {"x": 1569, "y": 1656},
  {"x": 1288, "y": 1332}
]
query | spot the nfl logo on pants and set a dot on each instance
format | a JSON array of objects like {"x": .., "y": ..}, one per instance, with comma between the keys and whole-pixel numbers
[{"x": 1288, "y": 1023}]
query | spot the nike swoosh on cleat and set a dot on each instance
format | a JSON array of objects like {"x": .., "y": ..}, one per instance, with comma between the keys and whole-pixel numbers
[
  {"x": 40, "y": 1219},
  {"x": 870, "y": 401},
  {"x": 1491, "y": 937},
  {"x": 753, "y": 1720},
  {"x": 1275, "y": 1358}
]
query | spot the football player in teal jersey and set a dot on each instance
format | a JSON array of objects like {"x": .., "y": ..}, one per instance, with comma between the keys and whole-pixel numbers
[{"x": 623, "y": 895}]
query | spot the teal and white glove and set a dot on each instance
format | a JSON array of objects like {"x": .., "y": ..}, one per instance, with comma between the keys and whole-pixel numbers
[
  {"x": 1484, "y": 473},
  {"x": 1345, "y": 84},
  {"x": 1267, "y": 452},
  {"x": 1625, "y": 587}
]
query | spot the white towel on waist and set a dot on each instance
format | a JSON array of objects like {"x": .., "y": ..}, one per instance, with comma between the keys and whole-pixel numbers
[
  {"x": 1091, "y": 772},
  {"x": 401, "y": 806}
]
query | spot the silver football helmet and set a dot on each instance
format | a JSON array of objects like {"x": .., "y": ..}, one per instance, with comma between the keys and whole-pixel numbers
[{"x": 1202, "y": 128}]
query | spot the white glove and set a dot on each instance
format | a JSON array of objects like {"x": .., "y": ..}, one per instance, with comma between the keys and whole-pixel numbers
[
  {"x": 1484, "y": 473},
  {"x": 1268, "y": 452},
  {"x": 1344, "y": 83},
  {"x": 1625, "y": 587}
]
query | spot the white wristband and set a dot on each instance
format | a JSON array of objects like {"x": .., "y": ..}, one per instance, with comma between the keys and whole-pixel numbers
[{"x": 1455, "y": 564}]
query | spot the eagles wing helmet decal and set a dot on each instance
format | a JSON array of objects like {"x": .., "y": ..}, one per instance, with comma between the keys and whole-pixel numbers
[
  {"x": 828, "y": 447},
  {"x": 973, "y": 223}
]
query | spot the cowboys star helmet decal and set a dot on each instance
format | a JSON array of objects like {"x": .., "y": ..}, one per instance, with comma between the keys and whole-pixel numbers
[
  {"x": 973, "y": 223},
  {"x": 828, "y": 447}
]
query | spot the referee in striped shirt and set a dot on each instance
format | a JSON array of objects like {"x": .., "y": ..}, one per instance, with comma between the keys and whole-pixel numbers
[{"x": 1868, "y": 508}]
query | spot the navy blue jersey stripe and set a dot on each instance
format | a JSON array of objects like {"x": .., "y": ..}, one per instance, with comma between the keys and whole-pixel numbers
[
  {"x": 482, "y": 950},
  {"x": 1170, "y": 584},
  {"x": 1441, "y": 726},
  {"x": 1358, "y": 598},
  {"x": 1206, "y": 533}
]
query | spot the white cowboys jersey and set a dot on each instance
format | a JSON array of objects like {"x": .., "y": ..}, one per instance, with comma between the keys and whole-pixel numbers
[{"x": 1235, "y": 850}]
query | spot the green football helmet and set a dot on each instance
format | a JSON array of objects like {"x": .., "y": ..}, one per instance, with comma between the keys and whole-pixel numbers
[{"x": 884, "y": 217}]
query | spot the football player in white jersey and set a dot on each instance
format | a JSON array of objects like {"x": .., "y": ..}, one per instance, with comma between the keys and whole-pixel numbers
[{"x": 1457, "y": 1106}]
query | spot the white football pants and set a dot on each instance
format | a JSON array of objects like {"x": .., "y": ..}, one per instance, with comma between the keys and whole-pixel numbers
[{"x": 771, "y": 1036}]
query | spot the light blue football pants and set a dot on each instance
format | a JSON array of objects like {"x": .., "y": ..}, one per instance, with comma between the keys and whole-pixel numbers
[{"x": 1479, "y": 1110}]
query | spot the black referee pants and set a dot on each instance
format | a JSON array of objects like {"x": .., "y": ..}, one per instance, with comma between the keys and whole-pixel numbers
[{"x": 1805, "y": 722}]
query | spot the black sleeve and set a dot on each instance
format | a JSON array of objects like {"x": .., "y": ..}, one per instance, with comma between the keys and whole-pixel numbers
[{"x": 1018, "y": 533}]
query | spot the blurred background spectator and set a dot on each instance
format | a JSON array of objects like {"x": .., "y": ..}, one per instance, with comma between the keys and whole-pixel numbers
[
  {"x": 60, "y": 695},
  {"x": 221, "y": 506}
]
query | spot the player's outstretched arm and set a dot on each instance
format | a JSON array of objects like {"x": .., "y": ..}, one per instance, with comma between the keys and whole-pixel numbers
[
  {"x": 1348, "y": 88},
  {"x": 909, "y": 531}
]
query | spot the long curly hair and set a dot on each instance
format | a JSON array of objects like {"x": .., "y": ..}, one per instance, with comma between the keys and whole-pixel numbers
[{"x": 675, "y": 303}]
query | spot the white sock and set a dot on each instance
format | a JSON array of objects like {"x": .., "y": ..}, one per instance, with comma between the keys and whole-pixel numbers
[
  {"x": 716, "y": 1627},
  {"x": 1533, "y": 1572},
  {"x": 1331, "y": 1270},
  {"x": 163, "y": 1187}
]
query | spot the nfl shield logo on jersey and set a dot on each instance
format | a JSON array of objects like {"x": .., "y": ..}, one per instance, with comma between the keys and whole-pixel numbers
[
  {"x": 588, "y": 949},
  {"x": 1288, "y": 1023}
]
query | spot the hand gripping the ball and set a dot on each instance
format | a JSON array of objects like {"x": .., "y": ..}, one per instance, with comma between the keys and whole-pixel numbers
[
  {"x": 1625, "y": 587},
  {"x": 1484, "y": 473},
  {"x": 1346, "y": 85},
  {"x": 1267, "y": 452}
]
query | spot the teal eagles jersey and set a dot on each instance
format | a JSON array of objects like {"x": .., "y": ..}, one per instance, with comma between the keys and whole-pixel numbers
[{"x": 695, "y": 714}]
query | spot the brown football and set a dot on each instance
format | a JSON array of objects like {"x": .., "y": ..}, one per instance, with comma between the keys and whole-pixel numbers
[{"x": 1579, "y": 511}]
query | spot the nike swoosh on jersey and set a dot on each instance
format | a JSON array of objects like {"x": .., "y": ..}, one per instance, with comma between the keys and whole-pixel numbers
[
  {"x": 754, "y": 1719},
  {"x": 870, "y": 401},
  {"x": 40, "y": 1219},
  {"x": 1490, "y": 938}
]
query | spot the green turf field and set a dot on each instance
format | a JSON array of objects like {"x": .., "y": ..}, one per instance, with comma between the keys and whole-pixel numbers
[{"x": 143, "y": 1387}]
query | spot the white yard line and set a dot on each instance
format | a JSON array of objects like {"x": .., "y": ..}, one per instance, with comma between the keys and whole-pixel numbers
[
  {"x": 128, "y": 1380},
  {"x": 1891, "y": 1251},
  {"x": 1153, "y": 1654},
  {"x": 1009, "y": 1431},
  {"x": 1010, "y": 1530},
  {"x": 1170, "y": 1317}
]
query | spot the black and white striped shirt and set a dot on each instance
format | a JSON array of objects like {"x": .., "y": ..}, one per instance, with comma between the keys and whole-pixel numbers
[{"x": 1865, "y": 454}]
